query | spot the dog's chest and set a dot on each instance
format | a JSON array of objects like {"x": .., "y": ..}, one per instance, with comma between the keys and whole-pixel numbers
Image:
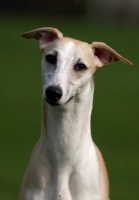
[
  {"x": 77, "y": 184},
  {"x": 75, "y": 189}
]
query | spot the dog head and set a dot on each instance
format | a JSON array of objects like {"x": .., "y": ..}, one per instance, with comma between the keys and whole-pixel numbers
[{"x": 68, "y": 64}]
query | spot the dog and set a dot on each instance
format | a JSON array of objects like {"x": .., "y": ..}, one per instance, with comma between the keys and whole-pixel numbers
[{"x": 66, "y": 164}]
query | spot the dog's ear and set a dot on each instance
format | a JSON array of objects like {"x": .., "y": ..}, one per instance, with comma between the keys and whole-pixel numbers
[
  {"x": 105, "y": 54},
  {"x": 43, "y": 35}
]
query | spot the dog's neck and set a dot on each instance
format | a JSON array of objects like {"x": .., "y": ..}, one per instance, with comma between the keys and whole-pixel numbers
[{"x": 66, "y": 129}]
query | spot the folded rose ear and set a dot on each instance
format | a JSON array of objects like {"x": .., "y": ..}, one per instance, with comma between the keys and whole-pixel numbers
[
  {"x": 43, "y": 35},
  {"x": 105, "y": 54}
]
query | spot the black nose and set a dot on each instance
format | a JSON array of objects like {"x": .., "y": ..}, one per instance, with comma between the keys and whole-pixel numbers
[{"x": 54, "y": 93}]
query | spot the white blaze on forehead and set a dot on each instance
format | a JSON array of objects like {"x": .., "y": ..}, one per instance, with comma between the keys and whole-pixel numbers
[
  {"x": 68, "y": 51},
  {"x": 69, "y": 45},
  {"x": 66, "y": 55}
]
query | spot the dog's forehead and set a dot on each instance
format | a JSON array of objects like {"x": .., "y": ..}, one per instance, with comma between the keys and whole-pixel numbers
[
  {"x": 65, "y": 45},
  {"x": 69, "y": 45}
]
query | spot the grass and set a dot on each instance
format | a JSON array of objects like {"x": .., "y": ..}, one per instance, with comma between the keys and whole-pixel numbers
[{"x": 115, "y": 126}]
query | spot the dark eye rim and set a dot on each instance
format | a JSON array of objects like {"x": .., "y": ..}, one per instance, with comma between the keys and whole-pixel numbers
[
  {"x": 50, "y": 58},
  {"x": 80, "y": 67}
]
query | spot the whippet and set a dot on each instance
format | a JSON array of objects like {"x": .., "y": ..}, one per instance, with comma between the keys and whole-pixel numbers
[{"x": 66, "y": 164}]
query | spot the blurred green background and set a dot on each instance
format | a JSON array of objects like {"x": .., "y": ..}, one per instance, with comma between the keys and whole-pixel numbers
[{"x": 115, "y": 118}]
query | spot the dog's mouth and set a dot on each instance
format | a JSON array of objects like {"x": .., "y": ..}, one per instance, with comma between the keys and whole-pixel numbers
[{"x": 52, "y": 103}]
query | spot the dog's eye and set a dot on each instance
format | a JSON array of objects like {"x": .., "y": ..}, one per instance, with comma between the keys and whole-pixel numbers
[
  {"x": 80, "y": 67},
  {"x": 50, "y": 58}
]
